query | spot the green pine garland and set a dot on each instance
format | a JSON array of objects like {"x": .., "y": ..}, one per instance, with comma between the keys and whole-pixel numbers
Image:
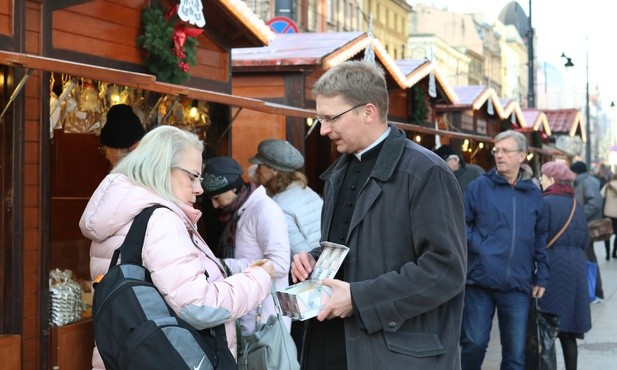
[
  {"x": 419, "y": 105},
  {"x": 157, "y": 39}
]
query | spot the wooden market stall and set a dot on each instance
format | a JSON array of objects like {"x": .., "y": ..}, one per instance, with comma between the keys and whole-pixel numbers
[
  {"x": 284, "y": 72},
  {"x": 478, "y": 111},
  {"x": 49, "y": 164}
]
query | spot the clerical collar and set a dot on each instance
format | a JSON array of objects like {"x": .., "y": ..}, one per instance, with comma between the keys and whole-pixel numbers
[{"x": 374, "y": 144}]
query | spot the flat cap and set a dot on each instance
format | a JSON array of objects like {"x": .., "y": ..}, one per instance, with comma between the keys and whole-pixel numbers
[{"x": 279, "y": 155}]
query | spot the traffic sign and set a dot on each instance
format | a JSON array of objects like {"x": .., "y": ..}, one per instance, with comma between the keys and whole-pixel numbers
[{"x": 282, "y": 25}]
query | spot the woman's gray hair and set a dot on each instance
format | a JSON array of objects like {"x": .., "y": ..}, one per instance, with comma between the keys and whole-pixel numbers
[
  {"x": 521, "y": 141},
  {"x": 357, "y": 83},
  {"x": 150, "y": 164}
]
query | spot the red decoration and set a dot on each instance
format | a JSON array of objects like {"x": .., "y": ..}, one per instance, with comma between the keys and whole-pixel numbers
[{"x": 181, "y": 32}]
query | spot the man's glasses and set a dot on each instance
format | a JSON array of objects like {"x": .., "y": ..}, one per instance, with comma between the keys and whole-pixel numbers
[
  {"x": 329, "y": 120},
  {"x": 102, "y": 149},
  {"x": 496, "y": 151},
  {"x": 196, "y": 179}
]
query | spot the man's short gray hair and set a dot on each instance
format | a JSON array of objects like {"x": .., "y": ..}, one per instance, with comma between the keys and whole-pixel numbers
[{"x": 521, "y": 141}]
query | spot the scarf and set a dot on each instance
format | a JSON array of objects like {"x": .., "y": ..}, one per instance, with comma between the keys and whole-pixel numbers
[
  {"x": 559, "y": 189},
  {"x": 229, "y": 218}
]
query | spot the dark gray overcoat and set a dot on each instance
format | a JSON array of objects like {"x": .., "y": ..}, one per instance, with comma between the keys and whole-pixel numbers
[{"x": 407, "y": 260}]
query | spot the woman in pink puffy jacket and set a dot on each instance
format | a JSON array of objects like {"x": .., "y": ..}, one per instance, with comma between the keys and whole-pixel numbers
[{"x": 165, "y": 169}]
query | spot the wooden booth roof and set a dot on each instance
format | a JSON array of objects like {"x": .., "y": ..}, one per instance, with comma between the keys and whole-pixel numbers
[
  {"x": 513, "y": 110},
  {"x": 418, "y": 69},
  {"x": 290, "y": 51},
  {"x": 299, "y": 49},
  {"x": 235, "y": 22},
  {"x": 536, "y": 119},
  {"x": 566, "y": 121},
  {"x": 474, "y": 97}
]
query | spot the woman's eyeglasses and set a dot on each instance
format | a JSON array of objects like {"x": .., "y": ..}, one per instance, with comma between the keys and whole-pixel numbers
[{"x": 196, "y": 179}]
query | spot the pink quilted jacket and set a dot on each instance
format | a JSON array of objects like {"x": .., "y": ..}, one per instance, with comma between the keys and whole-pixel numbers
[{"x": 182, "y": 266}]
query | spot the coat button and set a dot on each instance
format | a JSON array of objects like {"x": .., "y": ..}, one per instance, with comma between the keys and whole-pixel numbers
[{"x": 392, "y": 324}]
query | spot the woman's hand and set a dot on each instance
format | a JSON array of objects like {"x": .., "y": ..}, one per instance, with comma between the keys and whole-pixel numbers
[{"x": 265, "y": 264}]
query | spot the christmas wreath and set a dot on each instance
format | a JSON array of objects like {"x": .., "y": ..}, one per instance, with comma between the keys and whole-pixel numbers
[{"x": 170, "y": 44}]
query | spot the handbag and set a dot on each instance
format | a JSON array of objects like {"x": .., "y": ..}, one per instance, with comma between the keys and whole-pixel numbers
[
  {"x": 592, "y": 271},
  {"x": 600, "y": 229},
  {"x": 548, "y": 245},
  {"x": 542, "y": 330},
  {"x": 271, "y": 346}
]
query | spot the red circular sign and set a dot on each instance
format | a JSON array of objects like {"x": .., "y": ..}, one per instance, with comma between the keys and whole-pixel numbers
[{"x": 282, "y": 25}]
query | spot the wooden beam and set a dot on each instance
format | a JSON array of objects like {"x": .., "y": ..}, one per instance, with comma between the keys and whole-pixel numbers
[
  {"x": 446, "y": 133},
  {"x": 146, "y": 82}
]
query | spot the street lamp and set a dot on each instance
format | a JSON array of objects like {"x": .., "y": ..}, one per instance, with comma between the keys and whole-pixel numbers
[
  {"x": 531, "y": 94},
  {"x": 587, "y": 119}
]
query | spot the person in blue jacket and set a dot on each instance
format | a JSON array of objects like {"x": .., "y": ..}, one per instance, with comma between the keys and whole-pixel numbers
[
  {"x": 567, "y": 294},
  {"x": 507, "y": 260}
]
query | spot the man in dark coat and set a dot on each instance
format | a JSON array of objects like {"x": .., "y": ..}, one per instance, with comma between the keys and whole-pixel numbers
[
  {"x": 464, "y": 172},
  {"x": 587, "y": 192},
  {"x": 397, "y": 300}
]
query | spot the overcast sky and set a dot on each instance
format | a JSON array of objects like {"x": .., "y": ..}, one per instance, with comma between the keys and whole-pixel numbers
[{"x": 563, "y": 26}]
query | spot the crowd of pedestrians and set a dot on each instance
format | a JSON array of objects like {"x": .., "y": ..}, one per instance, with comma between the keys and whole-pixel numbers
[{"x": 437, "y": 246}]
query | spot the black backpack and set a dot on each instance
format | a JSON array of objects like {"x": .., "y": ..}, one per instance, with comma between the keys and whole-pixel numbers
[{"x": 134, "y": 328}]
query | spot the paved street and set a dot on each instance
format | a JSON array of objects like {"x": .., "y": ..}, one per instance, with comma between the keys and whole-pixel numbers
[{"x": 598, "y": 351}]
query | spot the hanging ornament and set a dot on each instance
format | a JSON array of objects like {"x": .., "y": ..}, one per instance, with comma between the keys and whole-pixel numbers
[
  {"x": 432, "y": 88},
  {"x": 170, "y": 43},
  {"x": 191, "y": 11}
]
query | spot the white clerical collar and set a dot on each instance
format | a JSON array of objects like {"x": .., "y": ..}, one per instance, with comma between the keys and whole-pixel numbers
[{"x": 374, "y": 144}]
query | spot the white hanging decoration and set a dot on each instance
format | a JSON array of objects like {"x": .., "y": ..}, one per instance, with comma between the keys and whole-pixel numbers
[
  {"x": 432, "y": 88},
  {"x": 191, "y": 11},
  {"x": 369, "y": 53},
  {"x": 490, "y": 109}
]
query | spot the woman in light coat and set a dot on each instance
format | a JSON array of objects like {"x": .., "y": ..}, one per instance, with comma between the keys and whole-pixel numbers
[
  {"x": 164, "y": 169},
  {"x": 254, "y": 228},
  {"x": 278, "y": 170}
]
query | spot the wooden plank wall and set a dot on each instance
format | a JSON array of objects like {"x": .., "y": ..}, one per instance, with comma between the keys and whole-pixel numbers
[
  {"x": 10, "y": 352},
  {"x": 6, "y": 18},
  {"x": 32, "y": 247},
  {"x": 109, "y": 29},
  {"x": 251, "y": 127}
]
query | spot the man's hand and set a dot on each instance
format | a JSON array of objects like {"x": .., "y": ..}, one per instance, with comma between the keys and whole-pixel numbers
[
  {"x": 301, "y": 266},
  {"x": 537, "y": 291},
  {"x": 339, "y": 304}
]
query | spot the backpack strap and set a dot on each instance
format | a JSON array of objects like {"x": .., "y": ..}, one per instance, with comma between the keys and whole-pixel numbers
[{"x": 130, "y": 250}]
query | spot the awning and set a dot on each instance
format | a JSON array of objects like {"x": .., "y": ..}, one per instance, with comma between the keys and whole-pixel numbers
[
  {"x": 444, "y": 133},
  {"x": 145, "y": 82},
  {"x": 548, "y": 151}
]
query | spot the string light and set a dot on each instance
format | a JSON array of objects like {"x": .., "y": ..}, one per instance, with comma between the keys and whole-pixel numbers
[{"x": 194, "y": 112}]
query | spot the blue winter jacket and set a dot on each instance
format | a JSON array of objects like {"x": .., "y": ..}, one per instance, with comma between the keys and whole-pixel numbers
[{"x": 506, "y": 233}]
